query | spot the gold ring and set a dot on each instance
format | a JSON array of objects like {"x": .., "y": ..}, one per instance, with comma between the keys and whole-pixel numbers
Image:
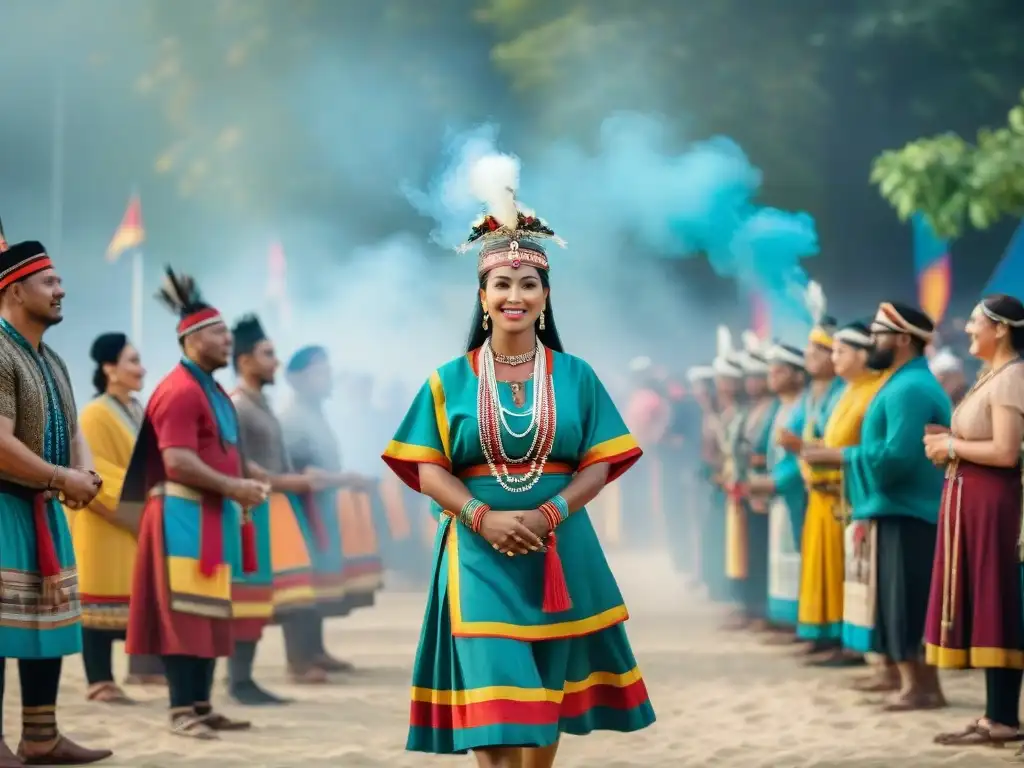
[{"x": 510, "y": 553}]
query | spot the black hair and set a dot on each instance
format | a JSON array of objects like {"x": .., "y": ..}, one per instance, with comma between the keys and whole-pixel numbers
[
  {"x": 246, "y": 335},
  {"x": 548, "y": 335},
  {"x": 918, "y": 319},
  {"x": 106, "y": 350},
  {"x": 1010, "y": 308}
]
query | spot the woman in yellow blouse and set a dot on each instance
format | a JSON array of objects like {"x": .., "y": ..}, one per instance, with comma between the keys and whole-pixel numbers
[{"x": 104, "y": 543}]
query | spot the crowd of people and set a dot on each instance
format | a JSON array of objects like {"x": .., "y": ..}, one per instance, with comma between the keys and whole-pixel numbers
[
  {"x": 183, "y": 527},
  {"x": 861, "y": 503}
]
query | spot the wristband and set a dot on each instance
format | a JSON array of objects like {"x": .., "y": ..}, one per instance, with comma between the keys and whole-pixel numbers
[
  {"x": 555, "y": 510},
  {"x": 951, "y": 450},
  {"x": 472, "y": 514}
]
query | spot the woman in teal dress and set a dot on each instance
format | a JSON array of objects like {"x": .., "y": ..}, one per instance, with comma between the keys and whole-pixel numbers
[{"x": 524, "y": 637}]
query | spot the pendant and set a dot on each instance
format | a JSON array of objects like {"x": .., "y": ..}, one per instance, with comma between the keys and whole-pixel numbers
[{"x": 518, "y": 393}]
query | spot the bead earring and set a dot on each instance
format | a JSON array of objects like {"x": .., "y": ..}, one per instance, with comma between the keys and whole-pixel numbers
[
  {"x": 540, "y": 324},
  {"x": 483, "y": 323}
]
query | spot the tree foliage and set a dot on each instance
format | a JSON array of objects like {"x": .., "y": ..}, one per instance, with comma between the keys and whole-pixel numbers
[{"x": 955, "y": 184}]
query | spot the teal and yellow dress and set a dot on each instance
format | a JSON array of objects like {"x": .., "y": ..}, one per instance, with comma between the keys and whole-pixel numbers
[{"x": 493, "y": 669}]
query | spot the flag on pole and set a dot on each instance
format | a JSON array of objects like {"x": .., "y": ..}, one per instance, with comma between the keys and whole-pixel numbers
[
  {"x": 934, "y": 269},
  {"x": 277, "y": 283},
  {"x": 1008, "y": 276},
  {"x": 130, "y": 234},
  {"x": 760, "y": 316}
]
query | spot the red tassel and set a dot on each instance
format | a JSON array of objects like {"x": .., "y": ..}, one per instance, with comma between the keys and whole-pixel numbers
[
  {"x": 556, "y": 592},
  {"x": 249, "y": 560},
  {"x": 211, "y": 534},
  {"x": 49, "y": 565}
]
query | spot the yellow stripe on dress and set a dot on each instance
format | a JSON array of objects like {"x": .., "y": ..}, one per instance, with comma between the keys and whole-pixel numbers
[
  {"x": 515, "y": 693},
  {"x": 441, "y": 413}
]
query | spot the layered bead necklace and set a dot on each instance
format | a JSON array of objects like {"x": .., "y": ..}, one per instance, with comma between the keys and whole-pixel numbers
[{"x": 491, "y": 421}]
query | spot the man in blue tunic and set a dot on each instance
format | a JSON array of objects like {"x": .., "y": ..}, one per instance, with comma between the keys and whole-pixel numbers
[
  {"x": 890, "y": 481},
  {"x": 43, "y": 459}
]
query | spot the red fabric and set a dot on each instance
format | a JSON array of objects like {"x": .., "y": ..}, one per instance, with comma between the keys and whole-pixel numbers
[
  {"x": 249, "y": 559},
  {"x": 153, "y": 628},
  {"x": 49, "y": 565},
  {"x": 182, "y": 417},
  {"x": 191, "y": 321},
  {"x": 556, "y": 591}
]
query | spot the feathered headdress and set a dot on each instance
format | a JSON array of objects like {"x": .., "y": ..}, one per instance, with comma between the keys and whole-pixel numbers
[
  {"x": 754, "y": 359},
  {"x": 725, "y": 362},
  {"x": 824, "y": 326},
  {"x": 507, "y": 233},
  {"x": 21, "y": 260},
  {"x": 181, "y": 295},
  {"x": 247, "y": 333}
]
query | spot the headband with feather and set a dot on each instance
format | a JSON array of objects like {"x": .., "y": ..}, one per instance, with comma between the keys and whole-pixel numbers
[
  {"x": 507, "y": 233},
  {"x": 181, "y": 295},
  {"x": 726, "y": 363},
  {"x": 824, "y": 325}
]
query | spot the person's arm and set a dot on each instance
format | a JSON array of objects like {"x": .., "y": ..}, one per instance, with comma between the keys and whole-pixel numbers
[
  {"x": 1007, "y": 408},
  {"x": 898, "y": 453},
  {"x": 176, "y": 419},
  {"x": 16, "y": 458},
  {"x": 81, "y": 455}
]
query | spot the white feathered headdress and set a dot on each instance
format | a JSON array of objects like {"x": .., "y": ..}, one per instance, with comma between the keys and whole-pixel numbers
[
  {"x": 815, "y": 301},
  {"x": 754, "y": 357},
  {"x": 506, "y": 232},
  {"x": 726, "y": 362}
]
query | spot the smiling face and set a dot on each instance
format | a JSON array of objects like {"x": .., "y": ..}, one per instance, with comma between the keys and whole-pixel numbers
[
  {"x": 986, "y": 335},
  {"x": 41, "y": 297},
  {"x": 513, "y": 298},
  {"x": 127, "y": 371}
]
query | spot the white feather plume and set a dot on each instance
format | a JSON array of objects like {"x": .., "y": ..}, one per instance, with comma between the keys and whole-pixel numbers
[
  {"x": 494, "y": 179},
  {"x": 814, "y": 298},
  {"x": 724, "y": 341},
  {"x": 751, "y": 342}
]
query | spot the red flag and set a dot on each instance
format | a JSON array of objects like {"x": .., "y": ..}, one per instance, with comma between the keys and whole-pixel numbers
[{"x": 130, "y": 234}]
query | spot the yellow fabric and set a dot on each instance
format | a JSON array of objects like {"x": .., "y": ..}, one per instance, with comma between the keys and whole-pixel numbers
[
  {"x": 823, "y": 564},
  {"x": 105, "y": 553}
]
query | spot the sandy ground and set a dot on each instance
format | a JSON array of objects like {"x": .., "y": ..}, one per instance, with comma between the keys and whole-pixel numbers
[{"x": 721, "y": 699}]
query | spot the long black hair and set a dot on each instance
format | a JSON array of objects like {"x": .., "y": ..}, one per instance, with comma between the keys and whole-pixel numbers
[
  {"x": 106, "y": 350},
  {"x": 1012, "y": 309},
  {"x": 548, "y": 335}
]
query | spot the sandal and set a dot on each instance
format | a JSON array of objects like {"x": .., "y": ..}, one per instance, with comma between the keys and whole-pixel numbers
[
  {"x": 108, "y": 693},
  {"x": 193, "y": 727},
  {"x": 975, "y": 735}
]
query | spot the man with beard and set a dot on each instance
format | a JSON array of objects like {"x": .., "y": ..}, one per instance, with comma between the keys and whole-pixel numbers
[
  {"x": 783, "y": 488},
  {"x": 342, "y": 583},
  {"x": 186, "y": 472},
  {"x": 43, "y": 458},
  {"x": 891, "y": 482},
  {"x": 289, "y": 525}
]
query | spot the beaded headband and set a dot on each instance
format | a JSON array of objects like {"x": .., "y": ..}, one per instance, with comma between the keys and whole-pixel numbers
[
  {"x": 507, "y": 234},
  {"x": 995, "y": 317}
]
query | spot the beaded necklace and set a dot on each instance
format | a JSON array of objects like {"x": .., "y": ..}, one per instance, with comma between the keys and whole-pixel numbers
[{"x": 491, "y": 422}]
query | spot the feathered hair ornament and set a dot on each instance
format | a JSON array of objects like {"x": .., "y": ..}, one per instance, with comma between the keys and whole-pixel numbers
[
  {"x": 723, "y": 342},
  {"x": 815, "y": 301},
  {"x": 507, "y": 233},
  {"x": 751, "y": 343},
  {"x": 181, "y": 295}
]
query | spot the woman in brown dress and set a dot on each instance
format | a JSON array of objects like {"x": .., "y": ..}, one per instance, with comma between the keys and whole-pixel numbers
[{"x": 974, "y": 612}]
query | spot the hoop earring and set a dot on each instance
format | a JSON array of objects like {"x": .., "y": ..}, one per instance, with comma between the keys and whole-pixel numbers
[
  {"x": 483, "y": 323},
  {"x": 540, "y": 323}
]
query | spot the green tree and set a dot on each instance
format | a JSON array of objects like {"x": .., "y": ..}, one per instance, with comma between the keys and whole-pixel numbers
[{"x": 955, "y": 184}]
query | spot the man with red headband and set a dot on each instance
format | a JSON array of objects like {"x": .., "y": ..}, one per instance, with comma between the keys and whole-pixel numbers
[
  {"x": 44, "y": 460},
  {"x": 186, "y": 481}
]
